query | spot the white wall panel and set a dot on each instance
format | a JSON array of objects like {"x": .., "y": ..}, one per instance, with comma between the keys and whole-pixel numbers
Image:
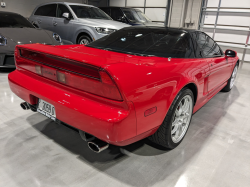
[
  {"x": 247, "y": 57},
  {"x": 209, "y": 19},
  {"x": 234, "y": 38},
  {"x": 212, "y": 3},
  {"x": 120, "y": 3},
  {"x": 156, "y": 14},
  {"x": 234, "y": 20},
  {"x": 135, "y": 3},
  {"x": 235, "y": 3},
  {"x": 156, "y": 3}
]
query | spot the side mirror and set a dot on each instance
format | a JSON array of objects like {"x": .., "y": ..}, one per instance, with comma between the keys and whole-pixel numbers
[
  {"x": 34, "y": 24},
  {"x": 65, "y": 15},
  {"x": 121, "y": 19},
  {"x": 230, "y": 53}
]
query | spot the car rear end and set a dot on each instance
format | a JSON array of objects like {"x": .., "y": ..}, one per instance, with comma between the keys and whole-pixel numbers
[{"x": 67, "y": 90}]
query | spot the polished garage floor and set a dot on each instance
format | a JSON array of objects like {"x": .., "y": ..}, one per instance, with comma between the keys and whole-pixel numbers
[{"x": 34, "y": 151}]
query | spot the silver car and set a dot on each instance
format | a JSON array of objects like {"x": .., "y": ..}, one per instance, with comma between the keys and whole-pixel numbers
[{"x": 78, "y": 23}]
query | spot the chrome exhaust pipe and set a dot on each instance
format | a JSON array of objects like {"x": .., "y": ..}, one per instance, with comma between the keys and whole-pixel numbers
[
  {"x": 25, "y": 106},
  {"x": 98, "y": 145}
]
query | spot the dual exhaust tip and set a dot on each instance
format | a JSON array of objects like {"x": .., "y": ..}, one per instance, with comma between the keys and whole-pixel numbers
[
  {"x": 25, "y": 106},
  {"x": 98, "y": 145},
  {"x": 94, "y": 143}
]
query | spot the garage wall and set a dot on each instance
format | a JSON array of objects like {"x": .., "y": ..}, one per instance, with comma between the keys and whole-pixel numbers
[
  {"x": 185, "y": 13},
  {"x": 98, "y": 3},
  {"x": 228, "y": 22},
  {"x": 154, "y": 9}
]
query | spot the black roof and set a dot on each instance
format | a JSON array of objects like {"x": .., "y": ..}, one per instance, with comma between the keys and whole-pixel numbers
[
  {"x": 177, "y": 29},
  {"x": 4, "y": 12}
]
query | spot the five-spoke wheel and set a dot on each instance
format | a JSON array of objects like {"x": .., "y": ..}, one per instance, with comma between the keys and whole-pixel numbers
[
  {"x": 176, "y": 123},
  {"x": 182, "y": 118}
]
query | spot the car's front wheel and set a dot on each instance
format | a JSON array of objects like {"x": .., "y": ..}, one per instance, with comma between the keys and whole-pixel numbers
[
  {"x": 84, "y": 40},
  {"x": 176, "y": 123},
  {"x": 231, "y": 81}
]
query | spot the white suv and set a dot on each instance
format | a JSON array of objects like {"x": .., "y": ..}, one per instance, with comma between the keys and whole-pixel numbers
[{"x": 78, "y": 23}]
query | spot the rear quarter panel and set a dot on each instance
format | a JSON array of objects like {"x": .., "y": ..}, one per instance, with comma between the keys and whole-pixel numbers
[{"x": 154, "y": 82}]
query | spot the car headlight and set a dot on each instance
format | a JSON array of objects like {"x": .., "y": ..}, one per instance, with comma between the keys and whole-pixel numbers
[
  {"x": 3, "y": 41},
  {"x": 104, "y": 30},
  {"x": 57, "y": 37}
]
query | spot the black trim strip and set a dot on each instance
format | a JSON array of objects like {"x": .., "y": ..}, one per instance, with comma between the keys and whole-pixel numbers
[{"x": 56, "y": 66}]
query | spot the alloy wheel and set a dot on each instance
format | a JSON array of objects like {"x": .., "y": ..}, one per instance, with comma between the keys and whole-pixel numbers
[
  {"x": 182, "y": 118},
  {"x": 84, "y": 41},
  {"x": 233, "y": 78}
]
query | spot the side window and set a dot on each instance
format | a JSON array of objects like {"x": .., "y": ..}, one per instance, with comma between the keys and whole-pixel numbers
[
  {"x": 62, "y": 9},
  {"x": 46, "y": 10},
  {"x": 116, "y": 14},
  {"x": 208, "y": 46},
  {"x": 107, "y": 11},
  {"x": 197, "y": 50}
]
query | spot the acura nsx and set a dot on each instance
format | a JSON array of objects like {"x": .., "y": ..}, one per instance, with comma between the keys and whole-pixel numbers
[{"x": 135, "y": 83}]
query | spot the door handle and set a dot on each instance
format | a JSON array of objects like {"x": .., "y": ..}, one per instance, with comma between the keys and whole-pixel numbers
[{"x": 55, "y": 23}]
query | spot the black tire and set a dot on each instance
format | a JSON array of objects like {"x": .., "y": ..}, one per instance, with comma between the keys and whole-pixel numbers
[
  {"x": 84, "y": 37},
  {"x": 228, "y": 87},
  {"x": 163, "y": 134}
]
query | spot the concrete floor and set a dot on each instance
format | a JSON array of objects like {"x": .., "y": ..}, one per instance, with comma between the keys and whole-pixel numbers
[{"x": 34, "y": 151}]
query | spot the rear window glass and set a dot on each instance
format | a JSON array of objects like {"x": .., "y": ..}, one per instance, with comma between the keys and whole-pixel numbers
[
  {"x": 14, "y": 21},
  {"x": 148, "y": 42},
  {"x": 46, "y": 10}
]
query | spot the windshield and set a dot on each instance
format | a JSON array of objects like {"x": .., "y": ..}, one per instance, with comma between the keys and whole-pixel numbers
[
  {"x": 147, "y": 42},
  {"x": 14, "y": 21},
  {"x": 89, "y": 12},
  {"x": 135, "y": 15}
]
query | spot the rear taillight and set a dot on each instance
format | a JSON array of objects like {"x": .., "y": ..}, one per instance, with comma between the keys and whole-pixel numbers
[{"x": 102, "y": 86}]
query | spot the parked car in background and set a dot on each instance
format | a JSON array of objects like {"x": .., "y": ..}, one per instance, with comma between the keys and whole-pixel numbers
[
  {"x": 130, "y": 16},
  {"x": 135, "y": 83},
  {"x": 78, "y": 23},
  {"x": 17, "y": 30}
]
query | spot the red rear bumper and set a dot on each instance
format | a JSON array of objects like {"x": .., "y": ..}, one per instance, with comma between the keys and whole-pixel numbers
[{"x": 115, "y": 125}]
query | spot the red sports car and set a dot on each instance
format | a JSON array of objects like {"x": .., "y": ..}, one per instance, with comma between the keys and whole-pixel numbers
[{"x": 135, "y": 83}]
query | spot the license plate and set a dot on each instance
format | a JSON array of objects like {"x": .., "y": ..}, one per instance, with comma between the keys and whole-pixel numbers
[{"x": 46, "y": 109}]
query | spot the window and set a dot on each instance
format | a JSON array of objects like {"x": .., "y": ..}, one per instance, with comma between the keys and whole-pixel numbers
[
  {"x": 13, "y": 21},
  {"x": 89, "y": 12},
  {"x": 63, "y": 9},
  {"x": 135, "y": 15},
  {"x": 197, "y": 49},
  {"x": 148, "y": 42},
  {"x": 46, "y": 10},
  {"x": 208, "y": 46},
  {"x": 107, "y": 11},
  {"x": 116, "y": 14}
]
